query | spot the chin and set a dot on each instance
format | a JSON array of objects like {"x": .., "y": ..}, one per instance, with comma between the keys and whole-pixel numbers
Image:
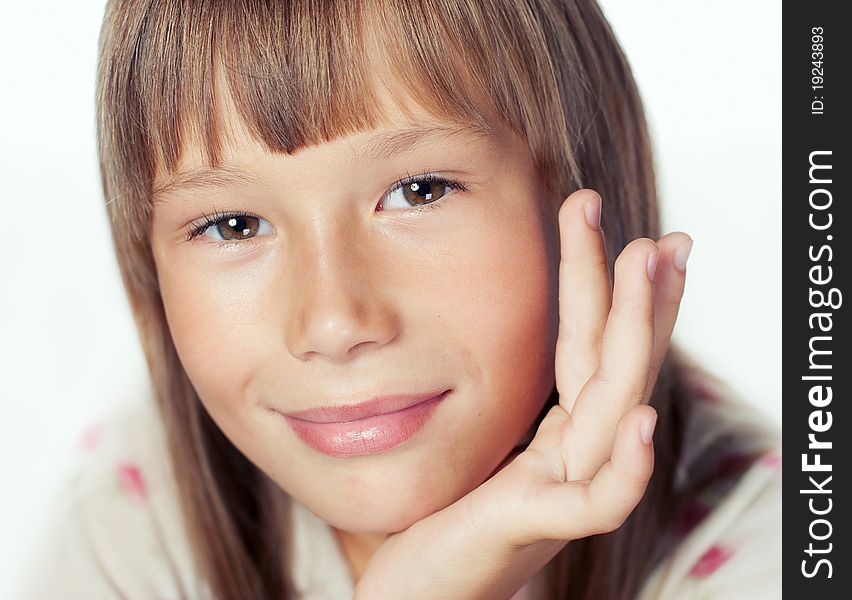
[
  {"x": 379, "y": 525},
  {"x": 390, "y": 513},
  {"x": 376, "y": 521}
]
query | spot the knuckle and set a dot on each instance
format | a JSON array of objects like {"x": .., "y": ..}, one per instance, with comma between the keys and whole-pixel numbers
[
  {"x": 599, "y": 260},
  {"x": 605, "y": 380},
  {"x": 578, "y": 335},
  {"x": 670, "y": 301},
  {"x": 635, "y": 394},
  {"x": 628, "y": 387},
  {"x": 635, "y": 307}
]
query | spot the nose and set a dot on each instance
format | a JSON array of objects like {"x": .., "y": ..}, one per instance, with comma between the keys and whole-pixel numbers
[{"x": 339, "y": 308}]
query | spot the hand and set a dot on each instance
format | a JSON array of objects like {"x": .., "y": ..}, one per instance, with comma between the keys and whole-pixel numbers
[{"x": 587, "y": 466}]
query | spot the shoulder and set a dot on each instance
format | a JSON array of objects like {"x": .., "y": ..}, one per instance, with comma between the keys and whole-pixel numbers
[
  {"x": 728, "y": 526},
  {"x": 116, "y": 529},
  {"x": 723, "y": 434},
  {"x": 732, "y": 549}
]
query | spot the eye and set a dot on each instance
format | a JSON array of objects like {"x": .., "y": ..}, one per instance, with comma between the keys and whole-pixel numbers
[
  {"x": 231, "y": 227},
  {"x": 419, "y": 192}
]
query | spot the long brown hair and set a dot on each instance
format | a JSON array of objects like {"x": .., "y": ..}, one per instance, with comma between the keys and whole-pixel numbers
[{"x": 299, "y": 74}]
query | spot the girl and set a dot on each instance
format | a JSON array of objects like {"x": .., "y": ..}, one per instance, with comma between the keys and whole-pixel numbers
[{"x": 359, "y": 395}]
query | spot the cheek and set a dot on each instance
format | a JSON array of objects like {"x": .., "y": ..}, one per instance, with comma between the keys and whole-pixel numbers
[
  {"x": 510, "y": 289},
  {"x": 502, "y": 312},
  {"x": 210, "y": 316}
]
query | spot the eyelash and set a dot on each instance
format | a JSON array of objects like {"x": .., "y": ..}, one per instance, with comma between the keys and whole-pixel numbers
[{"x": 198, "y": 227}]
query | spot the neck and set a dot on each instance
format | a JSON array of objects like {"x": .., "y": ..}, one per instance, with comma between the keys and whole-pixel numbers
[{"x": 357, "y": 549}]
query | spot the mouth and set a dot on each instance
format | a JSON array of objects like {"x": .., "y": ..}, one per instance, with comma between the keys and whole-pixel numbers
[{"x": 374, "y": 426}]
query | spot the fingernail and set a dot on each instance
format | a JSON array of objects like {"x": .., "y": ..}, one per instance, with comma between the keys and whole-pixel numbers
[
  {"x": 652, "y": 265},
  {"x": 646, "y": 429},
  {"x": 680, "y": 256},
  {"x": 592, "y": 208}
]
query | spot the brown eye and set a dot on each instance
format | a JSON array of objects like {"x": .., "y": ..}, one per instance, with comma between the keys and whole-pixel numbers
[
  {"x": 417, "y": 193},
  {"x": 421, "y": 192},
  {"x": 233, "y": 227},
  {"x": 237, "y": 228}
]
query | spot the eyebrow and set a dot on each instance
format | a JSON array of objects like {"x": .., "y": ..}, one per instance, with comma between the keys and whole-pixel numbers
[
  {"x": 221, "y": 177},
  {"x": 380, "y": 146}
]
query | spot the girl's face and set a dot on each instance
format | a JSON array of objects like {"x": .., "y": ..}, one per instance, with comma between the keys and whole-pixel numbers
[{"x": 336, "y": 287}]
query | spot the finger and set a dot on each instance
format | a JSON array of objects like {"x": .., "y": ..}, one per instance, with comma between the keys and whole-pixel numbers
[
  {"x": 621, "y": 482},
  {"x": 576, "y": 509},
  {"x": 625, "y": 360},
  {"x": 584, "y": 294},
  {"x": 669, "y": 282}
]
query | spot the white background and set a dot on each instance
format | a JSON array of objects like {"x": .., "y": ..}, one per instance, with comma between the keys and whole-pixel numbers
[{"x": 711, "y": 84}]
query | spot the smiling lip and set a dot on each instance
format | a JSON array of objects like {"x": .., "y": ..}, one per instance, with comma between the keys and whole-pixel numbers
[{"x": 367, "y": 428}]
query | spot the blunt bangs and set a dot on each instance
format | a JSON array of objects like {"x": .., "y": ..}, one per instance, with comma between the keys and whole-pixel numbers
[{"x": 302, "y": 73}]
